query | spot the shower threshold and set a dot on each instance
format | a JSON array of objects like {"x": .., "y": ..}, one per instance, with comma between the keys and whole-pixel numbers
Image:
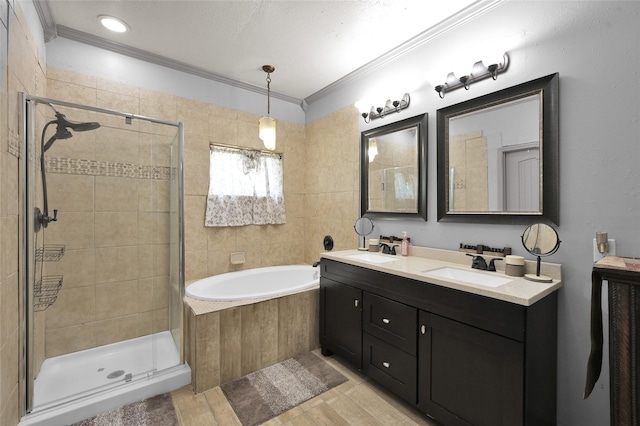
[{"x": 76, "y": 386}]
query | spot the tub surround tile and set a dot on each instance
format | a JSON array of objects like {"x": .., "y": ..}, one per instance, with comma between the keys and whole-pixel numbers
[
  {"x": 232, "y": 339},
  {"x": 231, "y": 344},
  {"x": 259, "y": 328}
]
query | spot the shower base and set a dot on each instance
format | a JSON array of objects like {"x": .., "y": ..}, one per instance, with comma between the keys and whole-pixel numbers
[{"x": 73, "y": 387}]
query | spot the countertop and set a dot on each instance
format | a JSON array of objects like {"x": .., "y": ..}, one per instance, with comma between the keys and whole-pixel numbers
[{"x": 417, "y": 266}]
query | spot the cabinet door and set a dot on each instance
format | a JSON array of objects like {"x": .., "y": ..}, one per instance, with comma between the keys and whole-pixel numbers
[
  {"x": 468, "y": 376},
  {"x": 341, "y": 321}
]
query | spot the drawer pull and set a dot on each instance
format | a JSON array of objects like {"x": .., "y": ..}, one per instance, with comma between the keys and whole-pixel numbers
[
  {"x": 386, "y": 365},
  {"x": 423, "y": 329},
  {"x": 386, "y": 320},
  {"x": 355, "y": 303}
]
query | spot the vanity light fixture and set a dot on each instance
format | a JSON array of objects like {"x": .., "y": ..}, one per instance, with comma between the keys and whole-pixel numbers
[
  {"x": 478, "y": 72},
  {"x": 113, "y": 24},
  {"x": 389, "y": 106},
  {"x": 267, "y": 126}
]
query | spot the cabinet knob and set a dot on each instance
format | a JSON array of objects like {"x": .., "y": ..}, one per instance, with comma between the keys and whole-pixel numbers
[
  {"x": 386, "y": 320},
  {"x": 386, "y": 364},
  {"x": 423, "y": 329},
  {"x": 355, "y": 303}
]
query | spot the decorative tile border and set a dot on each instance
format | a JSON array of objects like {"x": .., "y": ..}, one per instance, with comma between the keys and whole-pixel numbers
[
  {"x": 107, "y": 168},
  {"x": 13, "y": 146}
]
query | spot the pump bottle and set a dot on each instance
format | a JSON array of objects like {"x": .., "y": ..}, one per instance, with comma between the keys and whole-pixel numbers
[{"x": 405, "y": 244}]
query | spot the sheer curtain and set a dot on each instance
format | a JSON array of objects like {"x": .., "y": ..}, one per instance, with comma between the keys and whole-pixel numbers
[{"x": 245, "y": 187}]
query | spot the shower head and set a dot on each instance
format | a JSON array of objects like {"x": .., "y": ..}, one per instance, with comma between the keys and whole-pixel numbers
[
  {"x": 63, "y": 125},
  {"x": 61, "y": 121}
]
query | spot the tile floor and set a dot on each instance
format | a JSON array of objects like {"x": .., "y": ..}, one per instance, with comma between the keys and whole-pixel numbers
[{"x": 355, "y": 402}]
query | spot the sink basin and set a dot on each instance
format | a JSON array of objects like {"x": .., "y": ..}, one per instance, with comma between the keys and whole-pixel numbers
[
  {"x": 471, "y": 277},
  {"x": 373, "y": 258}
]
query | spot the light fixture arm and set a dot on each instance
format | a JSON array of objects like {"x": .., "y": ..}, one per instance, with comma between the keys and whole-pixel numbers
[{"x": 480, "y": 72}]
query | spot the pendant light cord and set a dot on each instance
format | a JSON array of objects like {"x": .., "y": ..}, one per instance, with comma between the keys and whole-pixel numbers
[{"x": 269, "y": 94}]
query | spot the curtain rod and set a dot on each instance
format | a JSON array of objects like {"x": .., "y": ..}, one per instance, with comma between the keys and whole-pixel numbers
[{"x": 240, "y": 148}]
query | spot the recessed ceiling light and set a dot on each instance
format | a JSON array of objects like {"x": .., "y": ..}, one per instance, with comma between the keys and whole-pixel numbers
[{"x": 113, "y": 24}]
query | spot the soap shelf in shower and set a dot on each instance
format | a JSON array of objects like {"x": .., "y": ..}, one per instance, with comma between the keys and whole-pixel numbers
[
  {"x": 46, "y": 292},
  {"x": 50, "y": 252}
]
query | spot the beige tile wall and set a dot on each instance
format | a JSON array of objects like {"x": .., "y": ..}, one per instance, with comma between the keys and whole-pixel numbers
[
  {"x": 24, "y": 73},
  {"x": 332, "y": 199},
  {"x": 208, "y": 249}
]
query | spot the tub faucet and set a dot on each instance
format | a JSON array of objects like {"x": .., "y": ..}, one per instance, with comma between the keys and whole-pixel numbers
[{"x": 315, "y": 264}]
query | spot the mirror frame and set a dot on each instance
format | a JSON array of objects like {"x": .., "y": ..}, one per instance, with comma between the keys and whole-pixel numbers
[
  {"x": 420, "y": 123},
  {"x": 549, "y": 196}
]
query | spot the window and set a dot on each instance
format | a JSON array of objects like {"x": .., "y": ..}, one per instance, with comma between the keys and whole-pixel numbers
[{"x": 245, "y": 187}]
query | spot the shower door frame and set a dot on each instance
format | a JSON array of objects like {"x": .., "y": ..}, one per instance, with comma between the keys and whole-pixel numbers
[{"x": 26, "y": 229}]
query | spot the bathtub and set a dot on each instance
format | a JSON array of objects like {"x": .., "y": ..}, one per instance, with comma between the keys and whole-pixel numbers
[{"x": 258, "y": 283}]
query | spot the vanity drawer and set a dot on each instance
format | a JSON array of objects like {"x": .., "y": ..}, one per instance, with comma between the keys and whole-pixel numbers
[
  {"x": 391, "y": 367},
  {"x": 393, "y": 322}
]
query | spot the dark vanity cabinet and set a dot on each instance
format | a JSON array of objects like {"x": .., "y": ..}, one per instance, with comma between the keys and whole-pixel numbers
[
  {"x": 461, "y": 358},
  {"x": 341, "y": 330}
]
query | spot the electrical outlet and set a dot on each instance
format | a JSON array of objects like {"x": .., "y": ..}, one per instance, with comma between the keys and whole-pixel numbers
[{"x": 597, "y": 255}]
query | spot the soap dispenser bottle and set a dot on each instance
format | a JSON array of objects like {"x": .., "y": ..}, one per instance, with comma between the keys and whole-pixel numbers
[{"x": 405, "y": 244}]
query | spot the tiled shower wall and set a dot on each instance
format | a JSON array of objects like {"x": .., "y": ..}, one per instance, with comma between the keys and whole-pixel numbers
[
  {"x": 332, "y": 201},
  {"x": 23, "y": 70},
  {"x": 111, "y": 189}
]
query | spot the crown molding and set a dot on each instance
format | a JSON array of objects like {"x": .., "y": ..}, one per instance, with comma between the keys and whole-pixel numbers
[
  {"x": 46, "y": 19},
  {"x": 51, "y": 31},
  {"x": 82, "y": 37},
  {"x": 469, "y": 13}
]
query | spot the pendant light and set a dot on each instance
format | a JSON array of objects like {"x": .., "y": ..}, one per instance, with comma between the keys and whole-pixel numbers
[{"x": 267, "y": 124}]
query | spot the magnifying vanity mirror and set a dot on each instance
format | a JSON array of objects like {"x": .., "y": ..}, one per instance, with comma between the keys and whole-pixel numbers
[
  {"x": 363, "y": 227},
  {"x": 540, "y": 240},
  {"x": 498, "y": 156},
  {"x": 393, "y": 170}
]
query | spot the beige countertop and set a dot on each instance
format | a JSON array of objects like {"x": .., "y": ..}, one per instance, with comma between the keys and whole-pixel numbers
[{"x": 422, "y": 260}]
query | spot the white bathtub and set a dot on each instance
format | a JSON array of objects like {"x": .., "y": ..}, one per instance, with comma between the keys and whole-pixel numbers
[{"x": 255, "y": 283}]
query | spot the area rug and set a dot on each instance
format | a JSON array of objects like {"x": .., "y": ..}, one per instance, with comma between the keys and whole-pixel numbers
[
  {"x": 262, "y": 395},
  {"x": 156, "y": 411}
]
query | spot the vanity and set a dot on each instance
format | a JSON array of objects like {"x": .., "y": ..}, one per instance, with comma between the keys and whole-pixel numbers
[{"x": 466, "y": 347}]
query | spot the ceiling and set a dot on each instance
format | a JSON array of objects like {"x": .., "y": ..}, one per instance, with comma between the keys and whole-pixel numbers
[{"x": 313, "y": 44}]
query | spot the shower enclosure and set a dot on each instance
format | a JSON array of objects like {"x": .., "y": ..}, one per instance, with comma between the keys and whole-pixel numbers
[{"x": 102, "y": 259}]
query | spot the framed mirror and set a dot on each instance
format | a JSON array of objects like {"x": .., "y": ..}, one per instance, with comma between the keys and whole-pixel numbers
[
  {"x": 498, "y": 156},
  {"x": 393, "y": 170}
]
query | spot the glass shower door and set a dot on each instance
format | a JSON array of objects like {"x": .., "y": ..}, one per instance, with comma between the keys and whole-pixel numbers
[{"x": 99, "y": 253}]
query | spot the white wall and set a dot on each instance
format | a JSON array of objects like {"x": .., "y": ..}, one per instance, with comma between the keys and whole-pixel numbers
[{"x": 595, "y": 47}]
